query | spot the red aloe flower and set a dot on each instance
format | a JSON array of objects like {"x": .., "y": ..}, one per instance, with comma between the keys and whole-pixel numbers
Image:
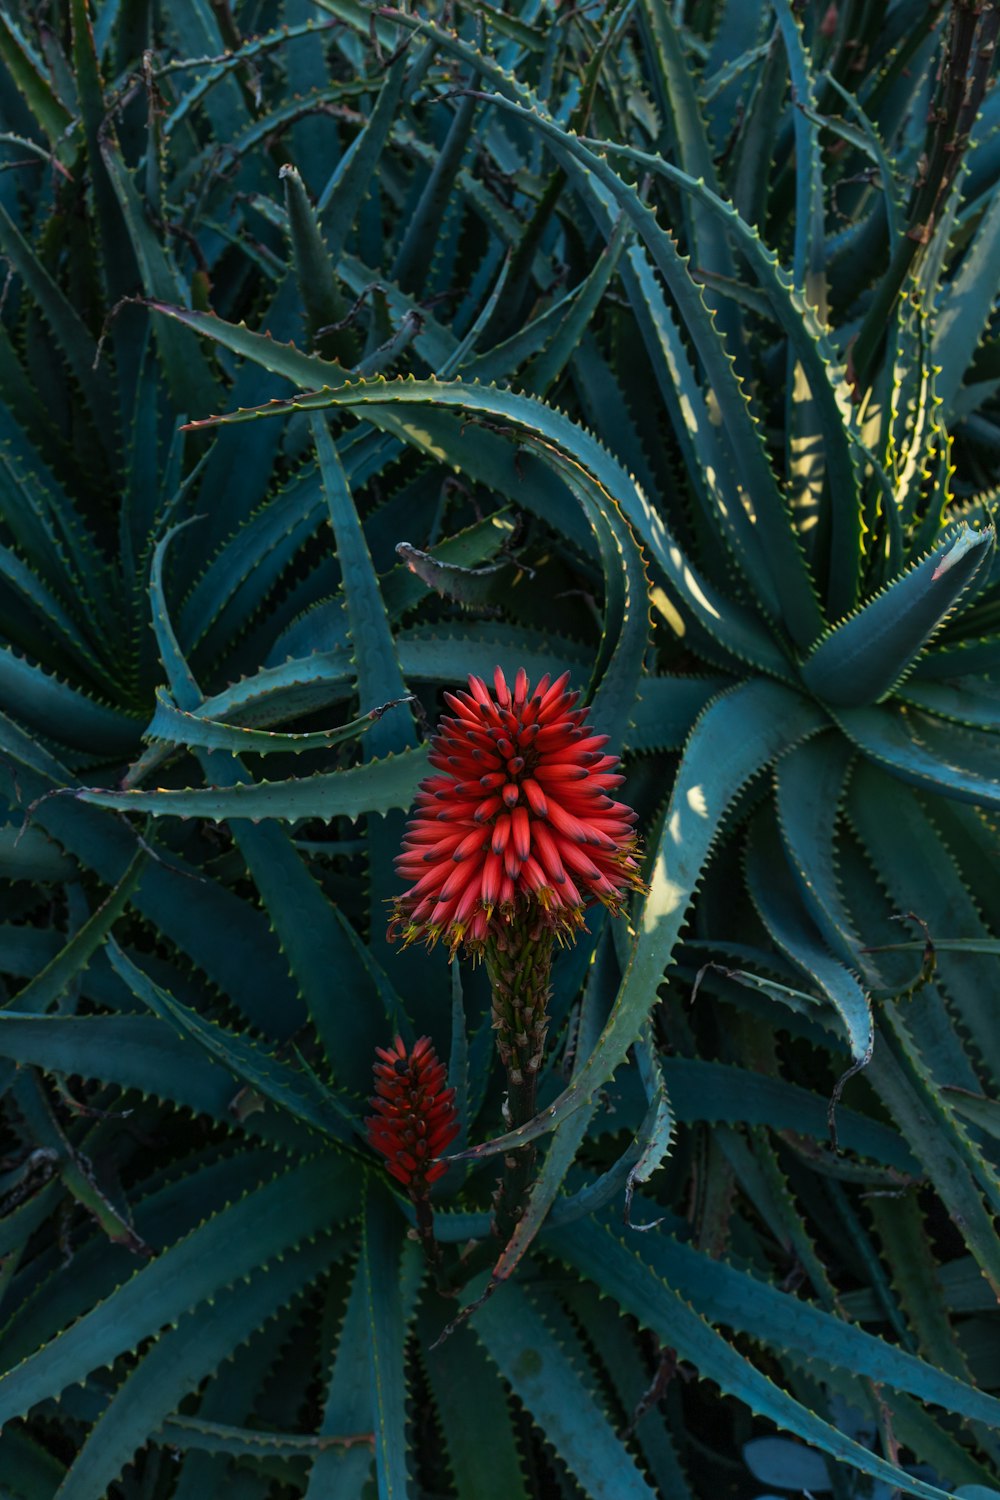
[
  {"x": 518, "y": 821},
  {"x": 415, "y": 1114}
]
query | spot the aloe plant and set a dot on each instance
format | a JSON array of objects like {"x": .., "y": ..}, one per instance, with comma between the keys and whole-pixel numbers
[{"x": 346, "y": 352}]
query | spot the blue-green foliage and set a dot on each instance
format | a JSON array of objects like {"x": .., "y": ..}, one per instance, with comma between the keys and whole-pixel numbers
[{"x": 662, "y": 336}]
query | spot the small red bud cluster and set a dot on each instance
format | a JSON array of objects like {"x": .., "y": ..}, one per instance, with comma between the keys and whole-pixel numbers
[{"x": 415, "y": 1119}]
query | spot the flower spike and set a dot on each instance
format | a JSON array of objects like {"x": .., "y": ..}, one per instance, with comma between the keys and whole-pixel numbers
[
  {"x": 414, "y": 1120},
  {"x": 517, "y": 822}
]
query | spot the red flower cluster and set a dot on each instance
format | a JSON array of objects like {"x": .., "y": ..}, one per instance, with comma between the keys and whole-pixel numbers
[
  {"x": 415, "y": 1120},
  {"x": 518, "y": 819}
]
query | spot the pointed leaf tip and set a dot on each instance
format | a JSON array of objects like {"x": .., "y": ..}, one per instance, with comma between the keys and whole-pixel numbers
[{"x": 869, "y": 653}]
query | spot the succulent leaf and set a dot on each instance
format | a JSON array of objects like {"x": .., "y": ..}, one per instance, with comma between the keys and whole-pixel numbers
[{"x": 865, "y": 656}]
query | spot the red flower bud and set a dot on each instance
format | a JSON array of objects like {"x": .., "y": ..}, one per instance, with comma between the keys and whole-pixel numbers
[{"x": 415, "y": 1114}]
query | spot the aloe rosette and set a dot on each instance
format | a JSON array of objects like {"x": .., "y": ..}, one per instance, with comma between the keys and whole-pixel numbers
[{"x": 664, "y": 343}]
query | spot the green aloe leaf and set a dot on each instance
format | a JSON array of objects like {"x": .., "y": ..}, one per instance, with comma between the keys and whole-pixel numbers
[
  {"x": 377, "y": 787},
  {"x": 727, "y": 1295},
  {"x": 709, "y": 464},
  {"x": 565, "y": 1143},
  {"x": 665, "y": 711},
  {"x": 541, "y": 429},
  {"x": 341, "y": 199},
  {"x": 860, "y": 660},
  {"x": 721, "y": 1094},
  {"x": 920, "y": 875},
  {"x": 805, "y": 443},
  {"x": 75, "y": 1169},
  {"x": 234, "y": 61},
  {"x": 248, "y": 1442},
  {"x": 626, "y": 1367},
  {"x": 196, "y": 32},
  {"x": 974, "y": 702},
  {"x": 544, "y": 1378},
  {"x": 52, "y": 981},
  {"x": 61, "y": 711},
  {"x": 789, "y": 573},
  {"x": 307, "y": 371},
  {"x": 620, "y": 1273},
  {"x": 50, "y": 533},
  {"x": 77, "y": 345},
  {"x": 549, "y": 362},
  {"x": 183, "y": 1356},
  {"x": 56, "y": 621},
  {"x": 809, "y": 791},
  {"x": 774, "y": 894},
  {"x": 293, "y": 1089},
  {"x": 164, "y": 1214},
  {"x": 321, "y": 295},
  {"x": 348, "y": 1402},
  {"x": 916, "y": 1102},
  {"x": 618, "y": 669},
  {"x": 962, "y": 309},
  {"x": 178, "y": 727},
  {"x": 379, "y": 677},
  {"x": 313, "y": 933},
  {"x": 928, "y": 754},
  {"x": 901, "y": 1230},
  {"x": 263, "y": 545},
  {"x": 224, "y": 935},
  {"x": 475, "y": 1416},
  {"x": 382, "y": 1245},
  {"x": 303, "y": 1201},
  {"x": 29, "y": 1468},
  {"x": 29, "y": 74},
  {"x": 141, "y": 1053},
  {"x": 191, "y": 382}
]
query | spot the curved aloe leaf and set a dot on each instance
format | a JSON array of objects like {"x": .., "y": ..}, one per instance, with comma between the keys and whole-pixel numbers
[
  {"x": 539, "y": 1369},
  {"x": 381, "y": 1248},
  {"x": 923, "y": 751},
  {"x": 292, "y": 1089},
  {"x": 182, "y": 1357},
  {"x": 809, "y": 791},
  {"x": 860, "y": 660},
  {"x": 300, "y": 1202},
  {"x": 974, "y": 702},
  {"x": 348, "y": 1402},
  {"x": 47, "y": 985},
  {"x": 177, "y": 727},
  {"x": 728, "y": 1295},
  {"x": 774, "y": 894},
  {"x": 540, "y": 428},
  {"x": 657, "y": 1305},
  {"x": 377, "y": 787}
]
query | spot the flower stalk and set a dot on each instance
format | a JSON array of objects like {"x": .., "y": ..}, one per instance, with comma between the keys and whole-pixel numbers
[
  {"x": 519, "y": 965},
  {"x": 513, "y": 837}
]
